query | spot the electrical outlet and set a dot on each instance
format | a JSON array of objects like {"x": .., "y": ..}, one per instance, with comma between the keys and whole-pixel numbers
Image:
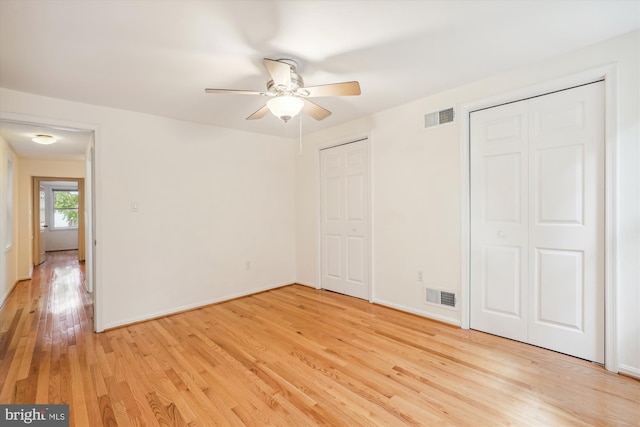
[
  {"x": 248, "y": 265},
  {"x": 420, "y": 276}
]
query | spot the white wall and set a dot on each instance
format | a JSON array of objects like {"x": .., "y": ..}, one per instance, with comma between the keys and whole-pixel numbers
[
  {"x": 417, "y": 190},
  {"x": 8, "y": 255},
  {"x": 210, "y": 200}
]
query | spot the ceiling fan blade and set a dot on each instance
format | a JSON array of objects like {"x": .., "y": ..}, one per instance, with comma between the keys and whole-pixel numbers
[
  {"x": 335, "y": 89},
  {"x": 314, "y": 110},
  {"x": 234, "y": 91},
  {"x": 259, "y": 114},
  {"x": 279, "y": 71}
]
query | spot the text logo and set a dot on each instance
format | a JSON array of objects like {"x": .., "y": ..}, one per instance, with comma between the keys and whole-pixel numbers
[{"x": 34, "y": 415}]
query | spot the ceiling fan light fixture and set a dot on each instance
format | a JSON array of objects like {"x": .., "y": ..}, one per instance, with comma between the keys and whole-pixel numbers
[
  {"x": 288, "y": 94},
  {"x": 44, "y": 139},
  {"x": 285, "y": 107}
]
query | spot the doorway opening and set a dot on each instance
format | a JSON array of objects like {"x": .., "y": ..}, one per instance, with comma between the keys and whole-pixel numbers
[
  {"x": 63, "y": 165},
  {"x": 59, "y": 217}
]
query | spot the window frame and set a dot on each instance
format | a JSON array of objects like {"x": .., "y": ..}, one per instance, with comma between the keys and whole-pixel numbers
[{"x": 52, "y": 211}]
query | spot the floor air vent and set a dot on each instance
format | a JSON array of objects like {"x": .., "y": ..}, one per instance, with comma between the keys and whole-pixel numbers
[
  {"x": 436, "y": 296},
  {"x": 438, "y": 118}
]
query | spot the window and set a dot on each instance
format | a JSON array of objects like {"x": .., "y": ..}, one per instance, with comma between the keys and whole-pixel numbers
[
  {"x": 65, "y": 209},
  {"x": 9, "y": 224}
]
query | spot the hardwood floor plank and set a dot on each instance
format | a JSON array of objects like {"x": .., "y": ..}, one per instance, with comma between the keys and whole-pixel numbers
[
  {"x": 7, "y": 394},
  {"x": 79, "y": 392},
  {"x": 44, "y": 373},
  {"x": 91, "y": 393},
  {"x": 7, "y": 335},
  {"x": 290, "y": 356},
  {"x": 107, "y": 415}
]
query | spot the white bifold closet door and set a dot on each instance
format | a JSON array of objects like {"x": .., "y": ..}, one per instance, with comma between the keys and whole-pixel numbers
[
  {"x": 344, "y": 172},
  {"x": 537, "y": 221}
]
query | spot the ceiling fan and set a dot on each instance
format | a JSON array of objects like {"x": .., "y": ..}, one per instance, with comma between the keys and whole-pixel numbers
[{"x": 288, "y": 93}]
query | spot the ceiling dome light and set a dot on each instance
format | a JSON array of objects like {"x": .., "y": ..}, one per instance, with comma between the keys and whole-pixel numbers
[
  {"x": 285, "y": 107},
  {"x": 44, "y": 139}
]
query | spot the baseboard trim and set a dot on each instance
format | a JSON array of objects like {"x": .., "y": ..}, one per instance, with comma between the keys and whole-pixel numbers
[
  {"x": 311, "y": 285},
  {"x": 629, "y": 371},
  {"x": 439, "y": 318},
  {"x": 190, "y": 307}
]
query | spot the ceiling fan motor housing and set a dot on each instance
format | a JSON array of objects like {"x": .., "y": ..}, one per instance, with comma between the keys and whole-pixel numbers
[{"x": 297, "y": 83}]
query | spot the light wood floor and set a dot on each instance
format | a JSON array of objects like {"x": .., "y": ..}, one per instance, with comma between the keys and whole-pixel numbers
[{"x": 293, "y": 356}]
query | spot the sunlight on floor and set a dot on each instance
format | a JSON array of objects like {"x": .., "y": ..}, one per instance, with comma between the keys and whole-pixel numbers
[{"x": 65, "y": 282}]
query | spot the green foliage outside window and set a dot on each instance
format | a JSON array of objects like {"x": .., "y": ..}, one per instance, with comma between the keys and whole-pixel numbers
[{"x": 65, "y": 207}]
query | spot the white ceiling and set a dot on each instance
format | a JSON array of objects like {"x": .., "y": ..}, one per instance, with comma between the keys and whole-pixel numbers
[
  {"x": 158, "y": 56},
  {"x": 71, "y": 144}
]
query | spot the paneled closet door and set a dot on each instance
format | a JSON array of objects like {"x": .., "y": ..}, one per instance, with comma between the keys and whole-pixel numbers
[
  {"x": 500, "y": 220},
  {"x": 566, "y": 290},
  {"x": 561, "y": 181},
  {"x": 345, "y": 219}
]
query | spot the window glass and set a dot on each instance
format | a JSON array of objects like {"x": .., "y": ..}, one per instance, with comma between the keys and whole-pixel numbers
[{"x": 65, "y": 208}]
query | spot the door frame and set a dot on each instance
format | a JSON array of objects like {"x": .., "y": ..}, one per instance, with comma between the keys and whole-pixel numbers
[
  {"x": 35, "y": 225},
  {"x": 608, "y": 73},
  {"x": 367, "y": 203},
  {"x": 92, "y": 177}
]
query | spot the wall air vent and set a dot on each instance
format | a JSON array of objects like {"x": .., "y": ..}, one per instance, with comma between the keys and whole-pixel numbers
[
  {"x": 448, "y": 299},
  {"x": 438, "y": 118},
  {"x": 436, "y": 296}
]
